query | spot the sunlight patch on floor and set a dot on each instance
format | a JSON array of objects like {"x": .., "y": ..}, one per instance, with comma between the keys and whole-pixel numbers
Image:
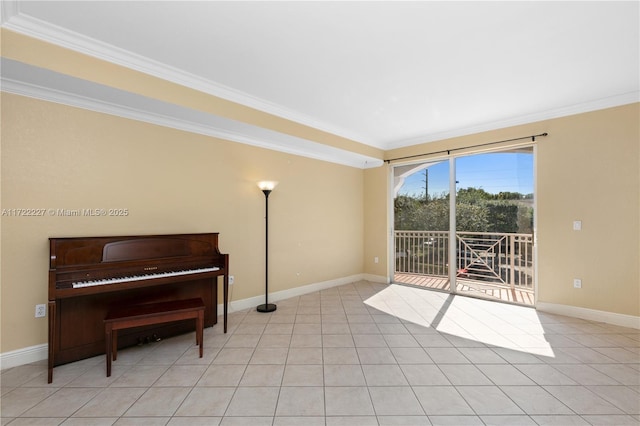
[{"x": 496, "y": 324}]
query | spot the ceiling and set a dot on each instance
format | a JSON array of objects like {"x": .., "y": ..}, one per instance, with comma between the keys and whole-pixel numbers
[{"x": 385, "y": 74}]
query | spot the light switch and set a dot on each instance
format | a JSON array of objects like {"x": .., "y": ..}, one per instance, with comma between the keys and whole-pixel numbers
[{"x": 577, "y": 225}]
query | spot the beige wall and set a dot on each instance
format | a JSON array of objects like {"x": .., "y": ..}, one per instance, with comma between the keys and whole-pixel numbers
[
  {"x": 59, "y": 157},
  {"x": 377, "y": 222},
  {"x": 588, "y": 169},
  {"x": 327, "y": 221}
]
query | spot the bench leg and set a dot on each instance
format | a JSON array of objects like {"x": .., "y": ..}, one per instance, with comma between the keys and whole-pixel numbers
[{"x": 114, "y": 344}]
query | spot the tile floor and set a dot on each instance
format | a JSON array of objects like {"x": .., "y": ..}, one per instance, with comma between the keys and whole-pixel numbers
[{"x": 358, "y": 354}]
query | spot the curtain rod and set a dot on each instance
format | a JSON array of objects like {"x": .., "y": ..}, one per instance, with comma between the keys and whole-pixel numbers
[{"x": 448, "y": 151}]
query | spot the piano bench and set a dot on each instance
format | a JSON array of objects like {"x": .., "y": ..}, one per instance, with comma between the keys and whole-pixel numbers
[{"x": 149, "y": 314}]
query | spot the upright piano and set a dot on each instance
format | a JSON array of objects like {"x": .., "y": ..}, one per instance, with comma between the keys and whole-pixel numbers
[{"x": 90, "y": 275}]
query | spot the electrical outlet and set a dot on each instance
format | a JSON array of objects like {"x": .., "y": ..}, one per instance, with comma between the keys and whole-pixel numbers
[
  {"x": 577, "y": 283},
  {"x": 231, "y": 279},
  {"x": 41, "y": 310},
  {"x": 376, "y": 260}
]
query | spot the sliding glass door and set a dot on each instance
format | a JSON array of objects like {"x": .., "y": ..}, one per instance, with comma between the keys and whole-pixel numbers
[{"x": 490, "y": 253}]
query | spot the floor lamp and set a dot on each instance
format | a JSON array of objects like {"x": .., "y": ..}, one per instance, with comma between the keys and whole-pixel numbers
[{"x": 266, "y": 187}]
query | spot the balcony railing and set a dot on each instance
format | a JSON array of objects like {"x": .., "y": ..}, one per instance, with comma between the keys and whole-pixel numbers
[{"x": 497, "y": 259}]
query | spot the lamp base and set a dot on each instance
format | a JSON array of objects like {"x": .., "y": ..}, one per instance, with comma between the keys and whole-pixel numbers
[{"x": 269, "y": 307}]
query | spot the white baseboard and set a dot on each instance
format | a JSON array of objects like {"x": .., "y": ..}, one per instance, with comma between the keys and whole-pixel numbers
[
  {"x": 24, "y": 356},
  {"x": 40, "y": 352},
  {"x": 376, "y": 278},
  {"x": 621, "y": 320},
  {"x": 252, "y": 302}
]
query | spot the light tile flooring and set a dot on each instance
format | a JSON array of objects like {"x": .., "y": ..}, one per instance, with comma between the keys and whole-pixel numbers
[{"x": 358, "y": 354}]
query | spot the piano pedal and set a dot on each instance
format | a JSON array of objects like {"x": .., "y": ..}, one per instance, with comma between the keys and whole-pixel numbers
[
  {"x": 140, "y": 342},
  {"x": 156, "y": 338},
  {"x": 147, "y": 339}
]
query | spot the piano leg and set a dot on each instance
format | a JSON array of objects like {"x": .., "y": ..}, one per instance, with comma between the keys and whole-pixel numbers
[
  {"x": 52, "y": 338},
  {"x": 226, "y": 298},
  {"x": 200, "y": 331},
  {"x": 108, "y": 339}
]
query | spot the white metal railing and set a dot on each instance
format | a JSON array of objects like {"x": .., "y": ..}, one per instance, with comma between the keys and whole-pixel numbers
[{"x": 502, "y": 259}]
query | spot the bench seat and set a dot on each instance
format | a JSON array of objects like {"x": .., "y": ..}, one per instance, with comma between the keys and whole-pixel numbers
[{"x": 150, "y": 314}]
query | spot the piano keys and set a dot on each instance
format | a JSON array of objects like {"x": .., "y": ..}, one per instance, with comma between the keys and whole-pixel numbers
[
  {"x": 90, "y": 275},
  {"x": 132, "y": 278}
]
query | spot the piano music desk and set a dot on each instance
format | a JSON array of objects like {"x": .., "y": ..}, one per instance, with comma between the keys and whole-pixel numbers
[{"x": 149, "y": 314}]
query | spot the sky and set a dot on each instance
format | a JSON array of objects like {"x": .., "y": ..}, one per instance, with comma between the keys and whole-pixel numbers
[{"x": 493, "y": 172}]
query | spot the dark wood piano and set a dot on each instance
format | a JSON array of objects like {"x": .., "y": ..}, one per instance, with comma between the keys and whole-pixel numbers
[{"x": 88, "y": 276}]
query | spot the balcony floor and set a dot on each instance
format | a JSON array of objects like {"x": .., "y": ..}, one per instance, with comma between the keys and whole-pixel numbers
[{"x": 469, "y": 288}]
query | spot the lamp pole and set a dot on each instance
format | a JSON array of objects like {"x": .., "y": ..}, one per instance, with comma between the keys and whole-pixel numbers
[{"x": 266, "y": 187}]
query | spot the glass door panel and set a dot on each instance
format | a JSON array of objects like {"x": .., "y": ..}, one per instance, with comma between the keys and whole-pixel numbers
[
  {"x": 494, "y": 225},
  {"x": 421, "y": 224}
]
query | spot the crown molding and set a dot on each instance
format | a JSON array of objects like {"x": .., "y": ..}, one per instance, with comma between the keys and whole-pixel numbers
[
  {"x": 598, "y": 104},
  {"x": 147, "y": 110},
  {"x": 45, "y": 31}
]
